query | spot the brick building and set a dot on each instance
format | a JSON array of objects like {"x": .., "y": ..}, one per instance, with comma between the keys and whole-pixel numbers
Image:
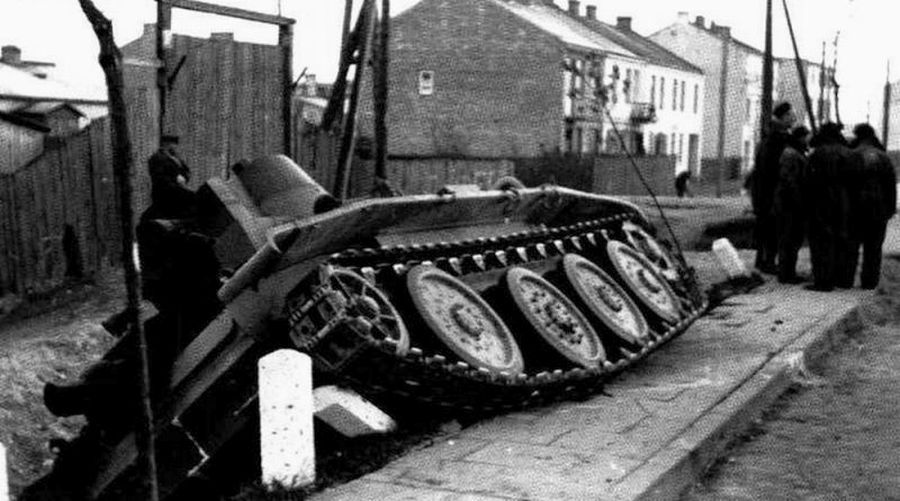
[
  {"x": 659, "y": 98},
  {"x": 703, "y": 46},
  {"x": 495, "y": 78}
]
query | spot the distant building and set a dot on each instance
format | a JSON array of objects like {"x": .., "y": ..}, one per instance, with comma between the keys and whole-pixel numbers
[
  {"x": 788, "y": 88},
  {"x": 661, "y": 97},
  {"x": 703, "y": 46},
  {"x": 522, "y": 78},
  {"x": 892, "y": 141}
]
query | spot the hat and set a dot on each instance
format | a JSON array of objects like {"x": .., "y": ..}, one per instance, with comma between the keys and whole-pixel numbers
[
  {"x": 782, "y": 109},
  {"x": 168, "y": 138},
  {"x": 864, "y": 131}
]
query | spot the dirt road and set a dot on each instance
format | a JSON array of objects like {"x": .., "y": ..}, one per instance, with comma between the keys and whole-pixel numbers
[{"x": 836, "y": 434}]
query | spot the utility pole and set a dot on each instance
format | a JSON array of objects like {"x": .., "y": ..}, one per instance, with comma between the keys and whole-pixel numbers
[
  {"x": 723, "y": 90},
  {"x": 801, "y": 72},
  {"x": 163, "y": 32},
  {"x": 886, "y": 115},
  {"x": 822, "y": 73},
  {"x": 768, "y": 77}
]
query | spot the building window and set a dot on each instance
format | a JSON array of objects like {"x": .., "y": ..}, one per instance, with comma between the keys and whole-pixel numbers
[
  {"x": 626, "y": 85},
  {"x": 579, "y": 76},
  {"x": 674, "y": 144},
  {"x": 426, "y": 83},
  {"x": 653, "y": 91},
  {"x": 674, "y": 95},
  {"x": 696, "y": 98},
  {"x": 662, "y": 93},
  {"x": 680, "y": 147},
  {"x": 636, "y": 85},
  {"x": 681, "y": 106},
  {"x": 598, "y": 141}
]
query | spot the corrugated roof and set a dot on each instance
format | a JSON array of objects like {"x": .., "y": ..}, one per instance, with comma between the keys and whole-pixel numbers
[
  {"x": 16, "y": 83},
  {"x": 556, "y": 22},
  {"x": 642, "y": 46}
]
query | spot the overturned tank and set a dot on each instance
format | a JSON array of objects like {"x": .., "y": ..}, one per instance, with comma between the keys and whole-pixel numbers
[{"x": 467, "y": 301}]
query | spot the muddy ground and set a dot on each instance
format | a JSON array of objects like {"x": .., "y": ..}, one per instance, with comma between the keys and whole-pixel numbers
[{"x": 835, "y": 435}]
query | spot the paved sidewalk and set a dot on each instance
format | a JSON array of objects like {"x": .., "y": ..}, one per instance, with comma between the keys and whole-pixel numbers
[{"x": 655, "y": 431}]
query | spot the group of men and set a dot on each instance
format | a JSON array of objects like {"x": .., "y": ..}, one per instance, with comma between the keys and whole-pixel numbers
[{"x": 837, "y": 194}]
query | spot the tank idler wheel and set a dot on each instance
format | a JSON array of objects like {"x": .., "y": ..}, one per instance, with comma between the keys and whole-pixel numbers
[
  {"x": 556, "y": 325},
  {"x": 641, "y": 241},
  {"x": 370, "y": 310},
  {"x": 645, "y": 282},
  {"x": 607, "y": 304},
  {"x": 462, "y": 321}
]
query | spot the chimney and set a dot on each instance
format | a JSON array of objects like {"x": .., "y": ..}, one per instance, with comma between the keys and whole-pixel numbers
[
  {"x": 701, "y": 22},
  {"x": 683, "y": 18},
  {"x": 574, "y": 7},
  {"x": 590, "y": 12},
  {"x": 713, "y": 27},
  {"x": 11, "y": 55},
  {"x": 623, "y": 23},
  {"x": 721, "y": 30},
  {"x": 312, "y": 87}
]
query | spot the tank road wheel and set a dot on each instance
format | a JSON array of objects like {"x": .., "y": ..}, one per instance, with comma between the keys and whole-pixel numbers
[
  {"x": 370, "y": 309},
  {"x": 644, "y": 281},
  {"x": 463, "y": 321},
  {"x": 335, "y": 314},
  {"x": 608, "y": 304},
  {"x": 651, "y": 249},
  {"x": 555, "y": 320}
]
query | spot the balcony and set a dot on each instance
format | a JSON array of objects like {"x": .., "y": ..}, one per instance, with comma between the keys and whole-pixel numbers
[{"x": 642, "y": 113}]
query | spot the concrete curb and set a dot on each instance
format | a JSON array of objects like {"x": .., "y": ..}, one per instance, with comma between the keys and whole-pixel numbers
[{"x": 674, "y": 469}]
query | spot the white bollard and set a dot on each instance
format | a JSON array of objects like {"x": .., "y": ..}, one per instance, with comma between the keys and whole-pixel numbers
[
  {"x": 349, "y": 413},
  {"x": 4, "y": 480},
  {"x": 729, "y": 259},
  {"x": 286, "y": 409}
]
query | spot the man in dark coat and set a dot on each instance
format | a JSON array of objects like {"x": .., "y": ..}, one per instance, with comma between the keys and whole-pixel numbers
[
  {"x": 763, "y": 181},
  {"x": 170, "y": 196},
  {"x": 788, "y": 205},
  {"x": 826, "y": 204},
  {"x": 872, "y": 188}
]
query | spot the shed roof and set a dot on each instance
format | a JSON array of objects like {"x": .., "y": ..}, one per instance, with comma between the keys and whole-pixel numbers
[{"x": 19, "y": 84}]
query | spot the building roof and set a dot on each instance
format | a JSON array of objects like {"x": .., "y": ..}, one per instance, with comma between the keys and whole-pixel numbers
[
  {"x": 19, "y": 84},
  {"x": 47, "y": 107},
  {"x": 642, "y": 46},
  {"x": 23, "y": 122},
  {"x": 714, "y": 31},
  {"x": 556, "y": 22}
]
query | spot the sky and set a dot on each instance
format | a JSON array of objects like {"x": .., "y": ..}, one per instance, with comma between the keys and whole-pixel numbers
[{"x": 56, "y": 31}]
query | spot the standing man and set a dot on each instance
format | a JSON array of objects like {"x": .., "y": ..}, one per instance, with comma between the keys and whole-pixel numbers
[
  {"x": 169, "y": 175},
  {"x": 873, "y": 202},
  {"x": 826, "y": 204},
  {"x": 788, "y": 205},
  {"x": 763, "y": 181}
]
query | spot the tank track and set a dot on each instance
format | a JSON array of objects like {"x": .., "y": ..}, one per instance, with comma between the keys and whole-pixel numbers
[{"x": 429, "y": 375}]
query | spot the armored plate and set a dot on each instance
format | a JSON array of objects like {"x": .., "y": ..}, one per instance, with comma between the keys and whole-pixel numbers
[
  {"x": 463, "y": 321},
  {"x": 651, "y": 249},
  {"x": 644, "y": 280},
  {"x": 606, "y": 300},
  {"x": 555, "y": 318}
]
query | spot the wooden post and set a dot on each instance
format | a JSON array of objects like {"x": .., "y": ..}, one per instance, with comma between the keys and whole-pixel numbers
[
  {"x": 766, "y": 106},
  {"x": 163, "y": 34},
  {"x": 886, "y": 114},
  {"x": 380, "y": 93},
  {"x": 822, "y": 73},
  {"x": 4, "y": 478},
  {"x": 286, "y": 409},
  {"x": 286, "y": 42},
  {"x": 723, "y": 90},
  {"x": 111, "y": 62},
  {"x": 801, "y": 72}
]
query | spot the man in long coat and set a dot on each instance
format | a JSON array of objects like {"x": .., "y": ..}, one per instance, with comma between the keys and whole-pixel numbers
[
  {"x": 873, "y": 201},
  {"x": 826, "y": 203},
  {"x": 763, "y": 181},
  {"x": 788, "y": 205}
]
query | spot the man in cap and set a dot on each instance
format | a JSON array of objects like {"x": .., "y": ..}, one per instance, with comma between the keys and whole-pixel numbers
[
  {"x": 826, "y": 204},
  {"x": 872, "y": 186},
  {"x": 788, "y": 205},
  {"x": 170, "y": 196},
  {"x": 763, "y": 182}
]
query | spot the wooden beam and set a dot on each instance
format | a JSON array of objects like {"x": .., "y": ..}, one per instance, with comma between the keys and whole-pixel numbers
[
  {"x": 286, "y": 42},
  {"x": 222, "y": 10}
]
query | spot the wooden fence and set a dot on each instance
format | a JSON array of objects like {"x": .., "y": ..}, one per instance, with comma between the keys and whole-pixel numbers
[
  {"x": 58, "y": 214},
  {"x": 606, "y": 174}
]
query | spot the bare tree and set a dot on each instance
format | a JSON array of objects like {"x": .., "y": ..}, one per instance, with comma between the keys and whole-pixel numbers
[{"x": 111, "y": 62}]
